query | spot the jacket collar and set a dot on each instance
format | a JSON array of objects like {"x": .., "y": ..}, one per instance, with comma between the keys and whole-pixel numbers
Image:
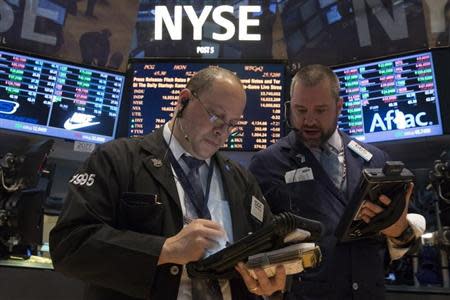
[{"x": 157, "y": 163}]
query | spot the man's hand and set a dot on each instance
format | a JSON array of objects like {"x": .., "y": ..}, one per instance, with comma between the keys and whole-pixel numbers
[
  {"x": 370, "y": 210},
  {"x": 191, "y": 243},
  {"x": 263, "y": 285}
]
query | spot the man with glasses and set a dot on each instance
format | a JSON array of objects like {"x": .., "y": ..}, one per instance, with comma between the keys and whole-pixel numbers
[{"x": 140, "y": 209}]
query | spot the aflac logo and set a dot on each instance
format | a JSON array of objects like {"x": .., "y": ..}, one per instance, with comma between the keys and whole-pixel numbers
[{"x": 400, "y": 120}]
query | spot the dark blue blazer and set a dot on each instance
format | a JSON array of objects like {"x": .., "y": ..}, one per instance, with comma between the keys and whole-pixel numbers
[{"x": 348, "y": 271}]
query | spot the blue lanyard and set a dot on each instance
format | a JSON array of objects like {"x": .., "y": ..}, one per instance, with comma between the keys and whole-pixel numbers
[{"x": 189, "y": 190}]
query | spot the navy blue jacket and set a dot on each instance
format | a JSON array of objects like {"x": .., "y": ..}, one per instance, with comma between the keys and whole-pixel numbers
[{"x": 348, "y": 271}]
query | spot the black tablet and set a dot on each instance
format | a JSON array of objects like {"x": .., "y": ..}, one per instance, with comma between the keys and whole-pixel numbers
[
  {"x": 220, "y": 265},
  {"x": 392, "y": 180}
]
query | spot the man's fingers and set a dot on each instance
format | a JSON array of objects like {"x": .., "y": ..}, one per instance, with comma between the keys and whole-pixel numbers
[
  {"x": 251, "y": 283},
  {"x": 365, "y": 219},
  {"x": 409, "y": 192},
  {"x": 369, "y": 209},
  {"x": 368, "y": 212},
  {"x": 208, "y": 224},
  {"x": 263, "y": 285},
  {"x": 385, "y": 200},
  {"x": 263, "y": 281},
  {"x": 280, "y": 278},
  {"x": 210, "y": 230},
  {"x": 211, "y": 233},
  {"x": 373, "y": 207}
]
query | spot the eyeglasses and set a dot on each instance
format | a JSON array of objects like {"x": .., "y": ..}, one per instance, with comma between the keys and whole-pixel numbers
[{"x": 218, "y": 122}]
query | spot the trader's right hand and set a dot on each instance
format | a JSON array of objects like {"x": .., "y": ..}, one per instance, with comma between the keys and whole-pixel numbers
[{"x": 191, "y": 242}]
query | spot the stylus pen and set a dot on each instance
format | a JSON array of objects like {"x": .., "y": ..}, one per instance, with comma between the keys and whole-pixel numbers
[{"x": 187, "y": 220}]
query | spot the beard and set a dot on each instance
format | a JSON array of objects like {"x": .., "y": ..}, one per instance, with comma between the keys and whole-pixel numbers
[{"x": 314, "y": 136}]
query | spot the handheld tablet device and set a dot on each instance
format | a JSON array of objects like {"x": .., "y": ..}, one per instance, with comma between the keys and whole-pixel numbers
[
  {"x": 392, "y": 180},
  {"x": 271, "y": 237}
]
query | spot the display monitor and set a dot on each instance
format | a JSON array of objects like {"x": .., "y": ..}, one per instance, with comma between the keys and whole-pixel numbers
[
  {"x": 155, "y": 86},
  {"x": 48, "y": 97},
  {"x": 390, "y": 99}
]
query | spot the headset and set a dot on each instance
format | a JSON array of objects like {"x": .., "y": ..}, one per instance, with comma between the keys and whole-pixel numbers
[
  {"x": 287, "y": 115},
  {"x": 184, "y": 103}
]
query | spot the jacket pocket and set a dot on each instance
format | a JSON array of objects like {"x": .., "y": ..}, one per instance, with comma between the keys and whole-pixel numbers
[
  {"x": 140, "y": 212},
  {"x": 300, "y": 195}
]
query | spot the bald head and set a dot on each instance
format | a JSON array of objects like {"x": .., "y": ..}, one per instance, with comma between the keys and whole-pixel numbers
[{"x": 204, "y": 79}]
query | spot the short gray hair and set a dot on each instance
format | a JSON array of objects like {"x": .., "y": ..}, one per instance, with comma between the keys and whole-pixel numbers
[
  {"x": 311, "y": 75},
  {"x": 203, "y": 79}
]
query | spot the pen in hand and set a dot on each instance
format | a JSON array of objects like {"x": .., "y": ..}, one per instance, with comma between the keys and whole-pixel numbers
[{"x": 187, "y": 220}]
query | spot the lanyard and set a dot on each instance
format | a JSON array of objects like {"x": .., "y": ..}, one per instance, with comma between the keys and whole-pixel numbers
[{"x": 189, "y": 190}]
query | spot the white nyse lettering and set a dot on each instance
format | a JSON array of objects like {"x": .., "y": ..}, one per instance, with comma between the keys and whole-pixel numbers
[
  {"x": 197, "y": 22},
  {"x": 244, "y": 22},
  {"x": 225, "y": 23},
  {"x": 30, "y": 14},
  {"x": 396, "y": 27},
  {"x": 174, "y": 28}
]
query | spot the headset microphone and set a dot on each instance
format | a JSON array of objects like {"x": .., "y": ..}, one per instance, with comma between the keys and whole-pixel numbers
[
  {"x": 287, "y": 116},
  {"x": 186, "y": 137}
]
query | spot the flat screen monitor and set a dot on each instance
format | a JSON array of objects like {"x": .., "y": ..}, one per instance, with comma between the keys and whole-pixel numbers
[
  {"x": 48, "y": 97},
  {"x": 155, "y": 86},
  {"x": 390, "y": 99}
]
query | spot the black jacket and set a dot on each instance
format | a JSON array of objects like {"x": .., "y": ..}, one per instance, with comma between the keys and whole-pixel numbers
[{"x": 113, "y": 242}]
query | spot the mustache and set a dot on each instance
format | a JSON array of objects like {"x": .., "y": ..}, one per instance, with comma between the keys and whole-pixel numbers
[{"x": 310, "y": 128}]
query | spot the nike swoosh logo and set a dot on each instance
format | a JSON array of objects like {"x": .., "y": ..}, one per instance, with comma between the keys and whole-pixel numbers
[{"x": 71, "y": 126}]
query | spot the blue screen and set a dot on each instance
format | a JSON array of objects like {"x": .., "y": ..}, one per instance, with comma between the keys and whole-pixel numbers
[
  {"x": 56, "y": 99},
  {"x": 156, "y": 85},
  {"x": 390, "y": 99}
]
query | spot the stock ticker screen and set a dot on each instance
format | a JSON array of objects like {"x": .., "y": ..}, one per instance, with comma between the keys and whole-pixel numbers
[
  {"x": 56, "y": 99},
  {"x": 156, "y": 86},
  {"x": 390, "y": 99}
]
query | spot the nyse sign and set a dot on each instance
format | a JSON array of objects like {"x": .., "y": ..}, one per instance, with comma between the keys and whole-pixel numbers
[{"x": 175, "y": 30}]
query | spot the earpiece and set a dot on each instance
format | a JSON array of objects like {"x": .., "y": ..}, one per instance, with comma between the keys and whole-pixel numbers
[
  {"x": 287, "y": 114},
  {"x": 184, "y": 103}
]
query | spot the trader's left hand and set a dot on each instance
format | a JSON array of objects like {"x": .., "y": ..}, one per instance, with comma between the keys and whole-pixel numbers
[
  {"x": 263, "y": 286},
  {"x": 370, "y": 210}
]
